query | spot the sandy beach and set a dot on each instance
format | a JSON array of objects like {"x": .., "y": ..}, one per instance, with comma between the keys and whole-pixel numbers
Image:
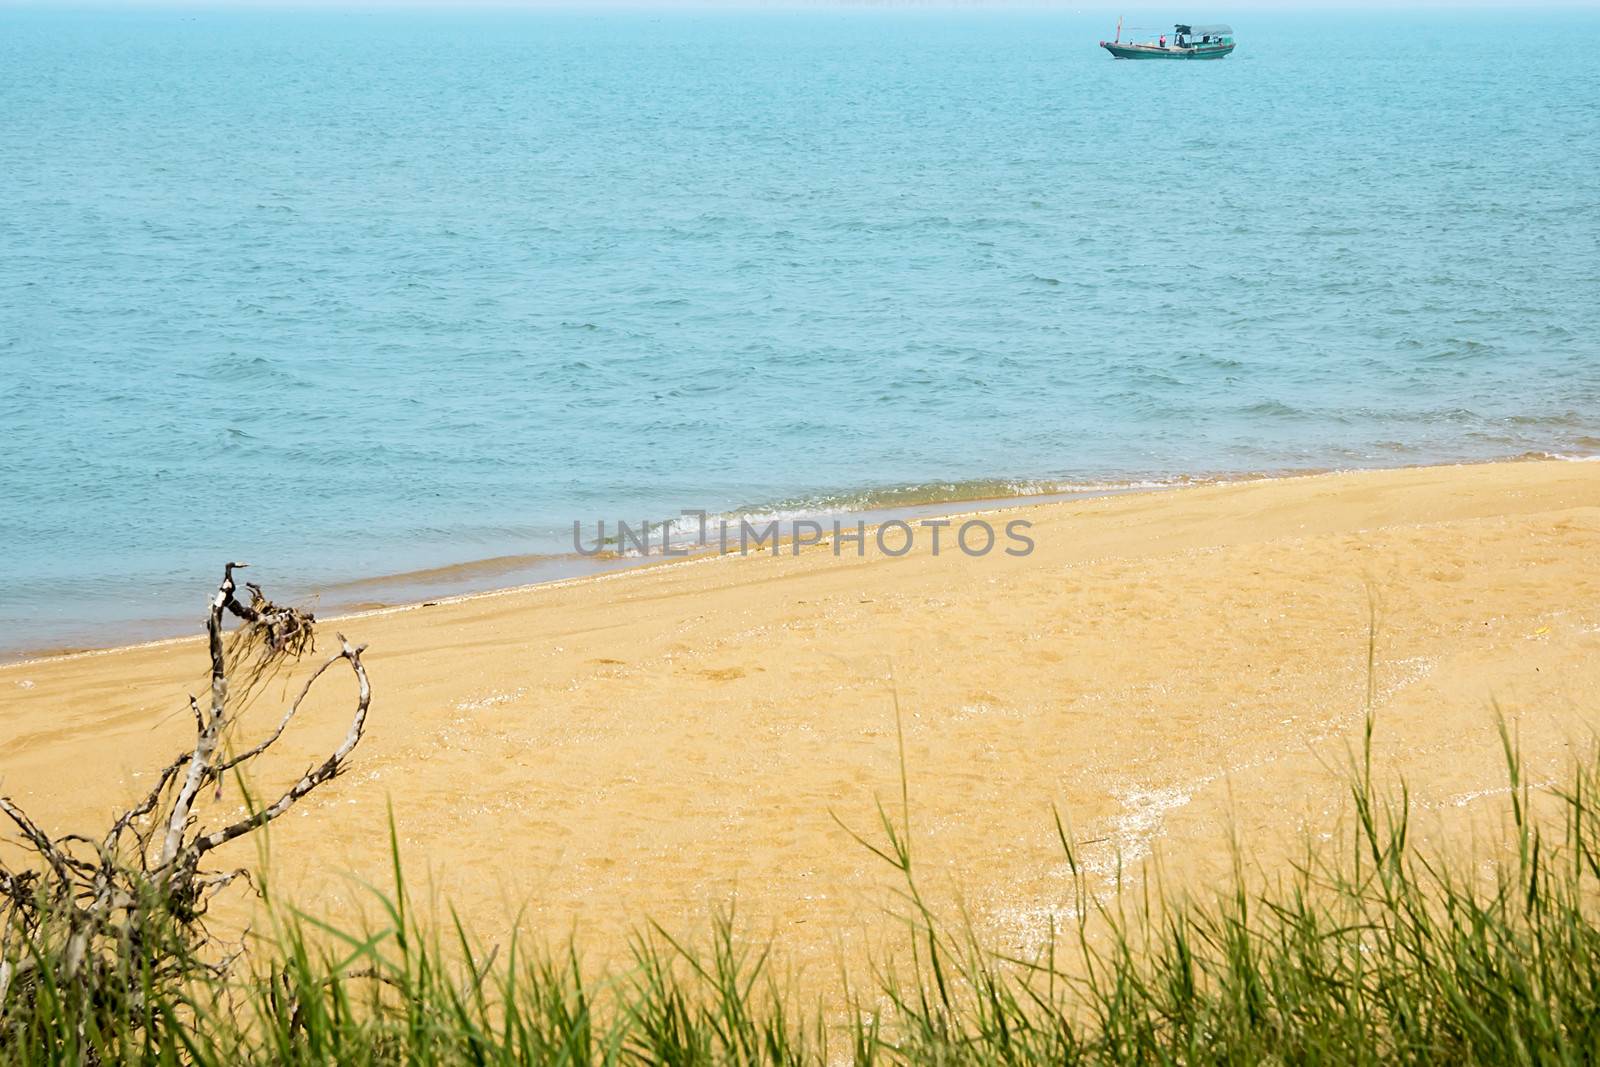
[{"x": 1167, "y": 668}]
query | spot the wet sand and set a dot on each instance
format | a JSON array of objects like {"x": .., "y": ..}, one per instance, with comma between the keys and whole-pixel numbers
[{"x": 1167, "y": 668}]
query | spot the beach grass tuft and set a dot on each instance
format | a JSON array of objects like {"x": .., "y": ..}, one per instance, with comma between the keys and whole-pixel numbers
[{"x": 1367, "y": 949}]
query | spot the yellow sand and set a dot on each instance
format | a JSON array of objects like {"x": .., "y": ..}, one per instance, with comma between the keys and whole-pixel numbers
[{"x": 1164, "y": 667}]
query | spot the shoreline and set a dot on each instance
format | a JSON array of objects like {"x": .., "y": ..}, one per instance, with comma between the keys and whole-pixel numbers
[{"x": 453, "y": 582}]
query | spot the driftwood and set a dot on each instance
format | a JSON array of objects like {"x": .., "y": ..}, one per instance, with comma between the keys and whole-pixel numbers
[{"x": 92, "y": 909}]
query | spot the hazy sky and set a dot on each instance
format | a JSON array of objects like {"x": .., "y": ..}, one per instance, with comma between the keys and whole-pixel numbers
[{"x": 1210, "y": 8}]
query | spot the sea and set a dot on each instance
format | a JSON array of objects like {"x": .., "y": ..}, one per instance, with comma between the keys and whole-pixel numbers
[{"x": 356, "y": 294}]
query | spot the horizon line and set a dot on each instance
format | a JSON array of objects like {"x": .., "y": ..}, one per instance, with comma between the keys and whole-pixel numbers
[{"x": 1143, "y": 8}]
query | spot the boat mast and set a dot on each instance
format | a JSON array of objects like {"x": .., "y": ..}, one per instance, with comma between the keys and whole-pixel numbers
[{"x": 1119, "y": 31}]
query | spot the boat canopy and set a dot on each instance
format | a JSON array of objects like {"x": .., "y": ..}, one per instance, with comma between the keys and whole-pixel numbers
[{"x": 1216, "y": 30}]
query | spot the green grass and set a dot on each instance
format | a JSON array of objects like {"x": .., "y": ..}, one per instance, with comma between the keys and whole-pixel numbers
[{"x": 1367, "y": 950}]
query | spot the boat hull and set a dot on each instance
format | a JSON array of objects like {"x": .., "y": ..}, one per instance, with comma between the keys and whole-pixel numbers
[{"x": 1145, "y": 51}]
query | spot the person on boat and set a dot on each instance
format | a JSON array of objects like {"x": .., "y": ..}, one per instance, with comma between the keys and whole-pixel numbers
[{"x": 1163, "y": 40}]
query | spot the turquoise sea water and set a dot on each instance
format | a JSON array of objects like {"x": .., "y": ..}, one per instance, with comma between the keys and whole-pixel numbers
[{"x": 349, "y": 294}]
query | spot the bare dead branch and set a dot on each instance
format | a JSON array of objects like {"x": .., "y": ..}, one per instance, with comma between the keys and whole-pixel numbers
[
  {"x": 288, "y": 715},
  {"x": 145, "y": 806},
  {"x": 60, "y": 862},
  {"x": 200, "y": 761},
  {"x": 143, "y": 885},
  {"x": 326, "y": 771}
]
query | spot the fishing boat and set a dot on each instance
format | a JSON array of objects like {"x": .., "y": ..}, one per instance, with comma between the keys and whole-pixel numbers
[{"x": 1188, "y": 42}]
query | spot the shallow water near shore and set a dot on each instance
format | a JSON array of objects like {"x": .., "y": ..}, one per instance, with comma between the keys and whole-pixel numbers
[
  {"x": 772, "y": 534},
  {"x": 353, "y": 295}
]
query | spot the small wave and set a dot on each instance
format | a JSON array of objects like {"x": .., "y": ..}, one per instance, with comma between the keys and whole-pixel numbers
[
  {"x": 877, "y": 504},
  {"x": 1584, "y": 450},
  {"x": 1276, "y": 408},
  {"x": 1568, "y": 418},
  {"x": 969, "y": 491},
  {"x": 234, "y": 369},
  {"x": 1211, "y": 361},
  {"x": 1462, "y": 349}
]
